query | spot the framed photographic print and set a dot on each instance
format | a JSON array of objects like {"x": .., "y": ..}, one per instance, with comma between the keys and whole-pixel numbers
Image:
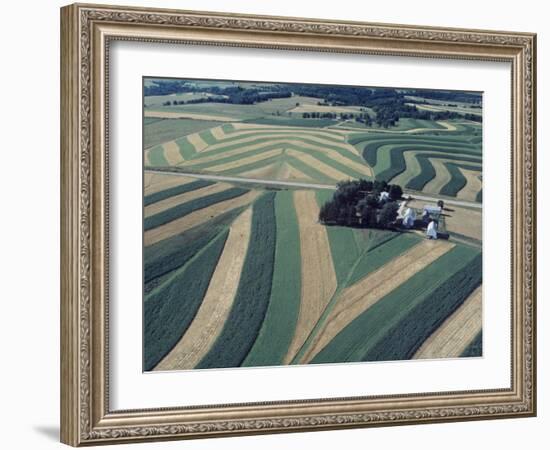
[{"x": 276, "y": 224}]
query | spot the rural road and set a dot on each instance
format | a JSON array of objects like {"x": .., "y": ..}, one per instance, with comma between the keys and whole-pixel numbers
[{"x": 303, "y": 185}]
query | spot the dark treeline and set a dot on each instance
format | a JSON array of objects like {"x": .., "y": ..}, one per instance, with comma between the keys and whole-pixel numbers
[
  {"x": 362, "y": 203},
  {"x": 450, "y": 96},
  {"x": 388, "y": 104}
]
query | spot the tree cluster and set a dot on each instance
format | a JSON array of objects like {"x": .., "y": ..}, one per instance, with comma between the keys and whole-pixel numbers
[{"x": 358, "y": 203}]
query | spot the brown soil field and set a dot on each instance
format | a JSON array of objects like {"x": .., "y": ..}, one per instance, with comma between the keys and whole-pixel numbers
[
  {"x": 454, "y": 335},
  {"x": 196, "y": 218},
  {"x": 217, "y": 302},
  {"x": 318, "y": 275},
  {"x": 357, "y": 298}
]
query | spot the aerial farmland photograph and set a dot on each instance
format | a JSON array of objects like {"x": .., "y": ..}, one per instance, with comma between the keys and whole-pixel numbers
[{"x": 301, "y": 224}]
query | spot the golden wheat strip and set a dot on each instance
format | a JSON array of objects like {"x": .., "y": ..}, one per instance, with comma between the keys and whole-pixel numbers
[
  {"x": 218, "y": 133},
  {"x": 447, "y": 125},
  {"x": 155, "y": 182},
  {"x": 473, "y": 185},
  {"x": 320, "y": 166},
  {"x": 196, "y": 141},
  {"x": 245, "y": 161},
  {"x": 196, "y": 218},
  {"x": 185, "y": 115},
  {"x": 318, "y": 275},
  {"x": 357, "y": 298},
  {"x": 291, "y": 173},
  {"x": 170, "y": 202},
  {"x": 203, "y": 157},
  {"x": 455, "y": 334},
  {"x": 172, "y": 153},
  {"x": 442, "y": 176},
  {"x": 216, "y": 305},
  {"x": 267, "y": 172},
  {"x": 276, "y": 135},
  {"x": 286, "y": 129}
]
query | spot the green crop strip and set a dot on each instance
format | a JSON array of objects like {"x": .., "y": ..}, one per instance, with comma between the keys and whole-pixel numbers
[
  {"x": 417, "y": 306},
  {"x": 170, "y": 308},
  {"x": 156, "y": 157},
  {"x": 170, "y": 254},
  {"x": 183, "y": 209},
  {"x": 317, "y": 123},
  {"x": 457, "y": 181},
  {"x": 269, "y": 144},
  {"x": 253, "y": 294},
  {"x": 372, "y": 150},
  {"x": 474, "y": 348},
  {"x": 398, "y": 165},
  {"x": 187, "y": 150},
  {"x": 428, "y": 172},
  {"x": 382, "y": 254},
  {"x": 176, "y": 190},
  {"x": 406, "y": 337},
  {"x": 282, "y": 313}
]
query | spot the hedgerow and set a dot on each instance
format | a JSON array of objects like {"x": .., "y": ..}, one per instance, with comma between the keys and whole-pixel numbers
[
  {"x": 188, "y": 207},
  {"x": 251, "y": 300},
  {"x": 170, "y": 308}
]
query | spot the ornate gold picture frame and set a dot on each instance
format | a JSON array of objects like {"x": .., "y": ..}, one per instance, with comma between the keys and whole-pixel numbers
[{"x": 87, "y": 32}]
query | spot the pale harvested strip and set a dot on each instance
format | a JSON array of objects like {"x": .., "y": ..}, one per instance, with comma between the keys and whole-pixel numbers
[
  {"x": 320, "y": 132},
  {"x": 447, "y": 125},
  {"x": 320, "y": 166},
  {"x": 283, "y": 135},
  {"x": 243, "y": 161},
  {"x": 172, "y": 153},
  {"x": 196, "y": 218},
  {"x": 293, "y": 174},
  {"x": 217, "y": 302},
  {"x": 170, "y": 202},
  {"x": 357, "y": 298},
  {"x": 200, "y": 159},
  {"x": 251, "y": 126},
  {"x": 473, "y": 184},
  {"x": 459, "y": 329},
  {"x": 442, "y": 176},
  {"x": 269, "y": 171},
  {"x": 412, "y": 169},
  {"x": 358, "y": 167},
  {"x": 146, "y": 160},
  {"x": 318, "y": 275},
  {"x": 155, "y": 182},
  {"x": 218, "y": 133},
  {"x": 185, "y": 115},
  {"x": 196, "y": 141}
]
